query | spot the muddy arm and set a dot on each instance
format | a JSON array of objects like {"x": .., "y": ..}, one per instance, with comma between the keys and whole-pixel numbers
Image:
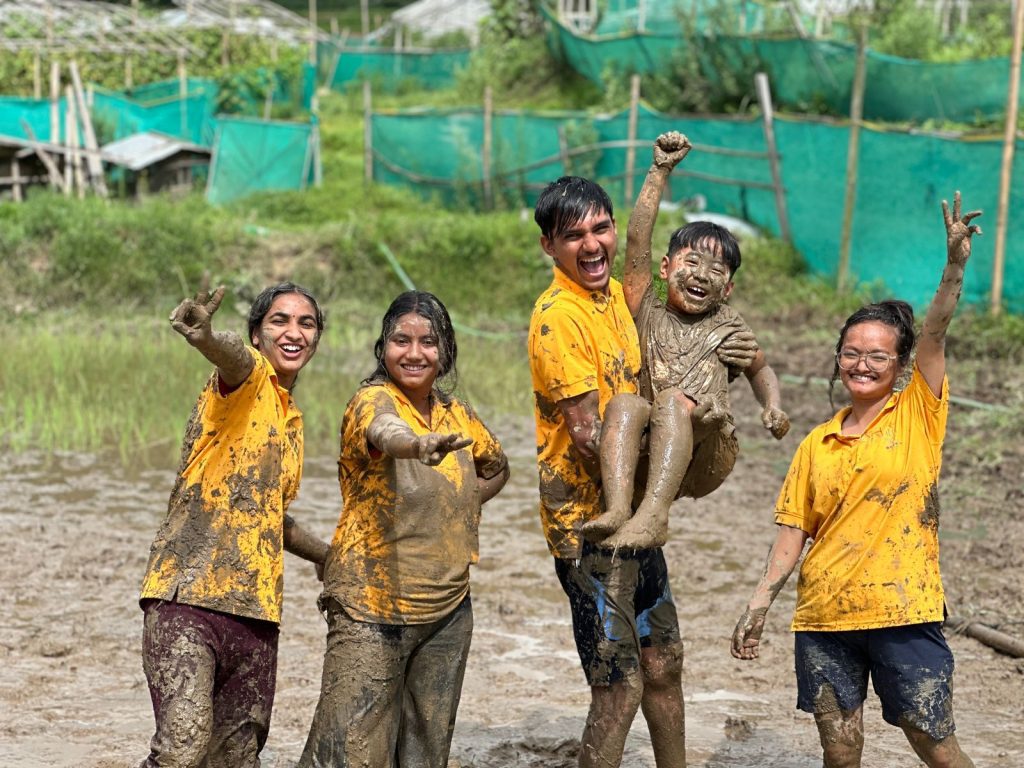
[
  {"x": 584, "y": 424},
  {"x": 391, "y": 435},
  {"x": 931, "y": 347},
  {"x": 782, "y": 559},
  {"x": 192, "y": 318},
  {"x": 490, "y": 486},
  {"x": 304, "y": 544},
  {"x": 765, "y": 386},
  {"x": 669, "y": 150}
]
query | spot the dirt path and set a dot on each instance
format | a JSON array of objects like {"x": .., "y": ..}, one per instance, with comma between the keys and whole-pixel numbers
[{"x": 72, "y": 691}]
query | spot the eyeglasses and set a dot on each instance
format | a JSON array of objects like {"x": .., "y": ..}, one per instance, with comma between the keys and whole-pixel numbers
[{"x": 876, "y": 361}]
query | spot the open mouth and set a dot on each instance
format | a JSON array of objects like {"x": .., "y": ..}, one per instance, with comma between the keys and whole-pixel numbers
[
  {"x": 594, "y": 266},
  {"x": 696, "y": 292}
]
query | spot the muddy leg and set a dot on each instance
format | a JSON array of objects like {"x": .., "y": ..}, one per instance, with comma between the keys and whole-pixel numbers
[
  {"x": 842, "y": 737},
  {"x": 945, "y": 753},
  {"x": 612, "y": 709},
  {"x": 662, "y": 703},
  {"x": 625, "y": 419},
  {"x": 671, "y": 448}
]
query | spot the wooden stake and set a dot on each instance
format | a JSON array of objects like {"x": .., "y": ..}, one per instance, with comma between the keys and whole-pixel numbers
[
  {"x": 367, "y": 132},
  {"x": 364, "y": 13},
  {"x": 563, "y": 151},
  {"x": 485, "y": 158},
  {"x": 312, "y": 32},
  {"x": 1006, "y": 169},
  {"x": 634, "y": 106},
  {"x": 16, "y": 179},
  {"x": 96, "y": 178},
  {"x": 76, "y": 176},
  {"x": 764, "y": 96},
  {"x": 182, "y": 94},
  {"x": 56, "y": 178},
  {"x": 37, "y": 75},
  {"x": 55, "y": 102},
  {"x": 852, "y": 156}
]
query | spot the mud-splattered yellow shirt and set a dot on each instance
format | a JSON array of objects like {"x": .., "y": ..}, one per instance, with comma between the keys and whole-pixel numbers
[
  {"x": 870, "y": 504},
  {"x": 407, "y": 532},
  {"x": 580, "y": 341},
  {"x": 221, "y": 545}
]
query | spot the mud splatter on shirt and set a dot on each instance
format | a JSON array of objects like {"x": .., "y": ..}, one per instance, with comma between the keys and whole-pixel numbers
[
  {"x": 580, "y": 341},
  {"x": 870, "y": 504},
  {"x": 221, "y": 545}
]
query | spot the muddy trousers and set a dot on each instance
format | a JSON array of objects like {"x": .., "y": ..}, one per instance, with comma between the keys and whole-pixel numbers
[
  {"x": 389, "y": 693},
  {"x": 211, "y": 678}
]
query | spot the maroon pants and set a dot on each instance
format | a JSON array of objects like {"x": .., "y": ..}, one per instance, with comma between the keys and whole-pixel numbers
[{"x": 211, "y": 678}]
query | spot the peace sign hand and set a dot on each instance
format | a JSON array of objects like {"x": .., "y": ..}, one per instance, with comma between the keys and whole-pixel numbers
[
  {"x": 192, "y": 317},
  {"x": 958, "y": 231}
]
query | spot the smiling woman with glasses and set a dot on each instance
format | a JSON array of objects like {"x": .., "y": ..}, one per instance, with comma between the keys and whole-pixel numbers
[{"x": 863, "y": 487}]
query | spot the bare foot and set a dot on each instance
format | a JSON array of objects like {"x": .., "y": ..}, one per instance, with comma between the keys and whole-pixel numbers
[
  {"x": 647, "y": 529},
  {"x": 604, "y": 525}
]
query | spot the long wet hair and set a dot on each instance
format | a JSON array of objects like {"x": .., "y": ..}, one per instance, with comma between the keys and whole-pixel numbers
[
  {"x": 429, "y": 307},
  {"x": 704, "y": 234},
  {"x": 894, "y": 313},
  {"x": 568, "y": 201},
  {"x": 262, "y": 304}
]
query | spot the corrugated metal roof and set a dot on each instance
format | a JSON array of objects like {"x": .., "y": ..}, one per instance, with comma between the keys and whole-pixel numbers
[{"x": 142, "y": 150}]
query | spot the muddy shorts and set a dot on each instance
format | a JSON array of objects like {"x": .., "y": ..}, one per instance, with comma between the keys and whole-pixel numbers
[
  {"x": 389, "y": 692},
  {"x": 911, "y": 669},
  {"x": 211, "y": 678},
  {"x": 620, "y": 603}
]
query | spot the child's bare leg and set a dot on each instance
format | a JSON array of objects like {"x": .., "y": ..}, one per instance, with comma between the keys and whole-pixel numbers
[
  {"x": 670, "y": 451},
  {"x": 625, "y": 419}
]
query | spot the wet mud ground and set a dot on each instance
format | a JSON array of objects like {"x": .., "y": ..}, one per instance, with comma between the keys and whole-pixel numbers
[{"x": 78, "y": 529}]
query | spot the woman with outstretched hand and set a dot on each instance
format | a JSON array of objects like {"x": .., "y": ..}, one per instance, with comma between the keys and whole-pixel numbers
[
  {"x": 416, "y": 464},
  {"x": 864, "y": 487},
  {"x": 213, "y": 588}
]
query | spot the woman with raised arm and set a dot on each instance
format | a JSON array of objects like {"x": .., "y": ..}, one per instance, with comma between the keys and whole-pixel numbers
[
  {"x": 214, "y": 585},
  {"x": 864, "y": 488},
  {"x": 416, "y": 465}
]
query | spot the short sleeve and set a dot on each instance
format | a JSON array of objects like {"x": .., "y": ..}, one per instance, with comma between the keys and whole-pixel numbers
[
  {"x": 796, "y": 498},
  {"x": 488, "y": 455},
  {"x": 365, "y": 405}
]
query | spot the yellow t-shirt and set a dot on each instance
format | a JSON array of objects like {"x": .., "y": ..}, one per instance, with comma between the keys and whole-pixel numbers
[
  {"x": 580, "y": 341},
  {"x": 408, "y": 532},
  {"x": 221, "y": 544},
  {"x": 870, "y": 503}
]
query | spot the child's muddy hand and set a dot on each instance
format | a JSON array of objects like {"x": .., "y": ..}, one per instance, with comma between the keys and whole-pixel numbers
[
  {"x": 192, "y": 318},
  {"x": 746, "y": 638},
  {"x": 775, "y": 421},
  {"x": 670, "y": 148},
  {"x": 738, "y": 350},
  {"x": 958, "y": 231},
  {"x": 709, "y": 414},
  {"x": 434, "y": 447}
]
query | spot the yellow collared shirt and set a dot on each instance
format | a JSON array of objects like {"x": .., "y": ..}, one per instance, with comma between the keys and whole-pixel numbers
[
  {"x": 870, "y": 504},
  {"x": 408, "y": 532},
  {"x": 221, "y": 545},
  {"x": 580, "y": 341}
]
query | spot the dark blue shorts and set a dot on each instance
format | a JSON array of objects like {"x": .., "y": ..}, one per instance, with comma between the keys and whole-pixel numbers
[
  {"x": 619, "y": 604},
  {"x": 911, "y": 669}
]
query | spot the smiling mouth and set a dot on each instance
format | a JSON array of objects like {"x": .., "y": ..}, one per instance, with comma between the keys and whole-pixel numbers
[
  {"x": 594, "y": 266},
  {"x": 292, "y": 349}
]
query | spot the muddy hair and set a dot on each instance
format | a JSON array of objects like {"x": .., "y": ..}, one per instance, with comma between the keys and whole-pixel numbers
[
  {"x": 699, "y": 234},
  {"x": 262, "y": 304},
  {"x": 568, "y": 201},
  {"x": 429, "y": 307},
  {"x": 894, "y": 313}
]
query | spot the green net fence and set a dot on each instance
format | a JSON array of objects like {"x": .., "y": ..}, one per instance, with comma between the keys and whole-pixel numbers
[
  {"x": 897, "y": 236},
  {"x": 389, "y": 69},
  {"x": 802, "y": 71}
]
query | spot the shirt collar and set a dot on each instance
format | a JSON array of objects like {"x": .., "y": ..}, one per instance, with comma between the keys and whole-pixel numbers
[
  {"x": 834, "y": 427},
  {"x": 439, "y": 405},
  {"x": 566, "y": 283}
]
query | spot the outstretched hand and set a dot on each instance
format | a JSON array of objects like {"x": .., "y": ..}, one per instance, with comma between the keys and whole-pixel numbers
[
  {"x": 738, "y": 349},
  {"x": 746, "y": 638},
  {"x": 192, "y": 317},
  {"x": 775, "y": 421},
  {"x": 958, "y": 231},
  {"x": 670, "y": 148},
  {"x": 434, "y": 447}
]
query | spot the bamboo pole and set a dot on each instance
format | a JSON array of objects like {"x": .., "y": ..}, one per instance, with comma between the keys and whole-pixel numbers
[
  {"x": 37, "y": 75},
  {"x": 340, "y": 43},
  {"x": 312, "y": 32},
  {"x": 485, "y": 158},
  {"x": 1006, "y": 170},
  {"x": 74, "y": 164},
  {"x": 182, "y": 94},
  {"x": 364, "y": 14},
  {"x": 563, "y": 151},
  {"x": 16, "y": 180},
  {"x": 55, "y": 102},
  {"x": 367, "y": 132},
  {"x": 129, "y": 79},
  {"x": 92, "y": 157},
  {"x": 764, "y": 96},
  {"x": 634, "y": 106},
  {"x": 56, "y": 178},
  {"x": 853, "y": 156}
]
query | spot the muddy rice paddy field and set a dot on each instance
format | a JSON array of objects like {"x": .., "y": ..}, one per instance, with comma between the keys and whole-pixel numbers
[{"x": 78, "y": 529}]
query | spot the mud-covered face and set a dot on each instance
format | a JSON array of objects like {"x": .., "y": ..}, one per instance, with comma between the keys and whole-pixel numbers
[
  {"x": 863, "y": 339},
  {"x": 698, "y": 279},
  {"x": 287, "y": 336},
  {"x": 411, "y": 355},
  {"x": 585, "y": 251}
]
